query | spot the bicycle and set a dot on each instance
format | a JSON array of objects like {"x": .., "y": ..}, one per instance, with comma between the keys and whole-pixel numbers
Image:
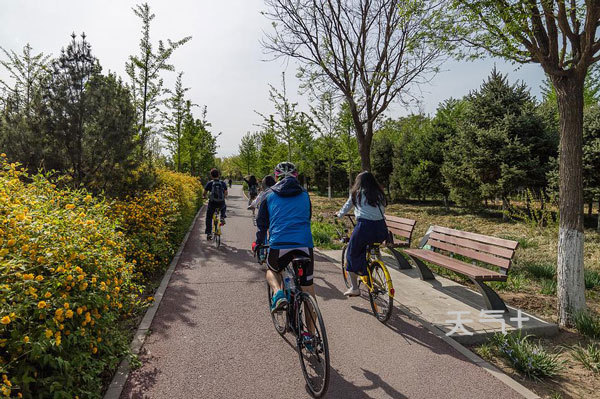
[
  {"x": 377, "y": 281},
  {"x": 301, "y": 313},
  {"x": 216, "y": 221}
]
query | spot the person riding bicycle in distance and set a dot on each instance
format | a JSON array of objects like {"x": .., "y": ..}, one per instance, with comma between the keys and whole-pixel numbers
[
  {"x": 285, "y": 214},
  {"x": 216, "y": 189},
  {"x": 368, "y": 199}
]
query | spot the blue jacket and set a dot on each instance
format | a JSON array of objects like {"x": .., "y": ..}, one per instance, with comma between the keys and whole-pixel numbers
[{"x": 285, "y": 213}]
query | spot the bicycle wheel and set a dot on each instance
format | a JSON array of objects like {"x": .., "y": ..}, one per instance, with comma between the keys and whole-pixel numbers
[
  {"x": 279, "y": 318},
  {"x": 313, "y": 348},
  {"x": 217, "y": 233},
  {"x": 382, "y": 302}
]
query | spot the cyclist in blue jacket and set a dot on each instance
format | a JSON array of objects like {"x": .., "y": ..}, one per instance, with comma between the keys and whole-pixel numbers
[{"x": 285, "y": 214}]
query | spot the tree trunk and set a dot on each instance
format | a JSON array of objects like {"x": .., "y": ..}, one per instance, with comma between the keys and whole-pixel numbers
[
  {"x": 505, "y": 209},
  {"x": 329, "y": 182},
  {"x": 598, "y": 226},
  {"x": 570, "y": 290},
  {"x": 364, "y": 148},
  {"x": 446, "y": 204},
  {"x": 590, "y": 206}
]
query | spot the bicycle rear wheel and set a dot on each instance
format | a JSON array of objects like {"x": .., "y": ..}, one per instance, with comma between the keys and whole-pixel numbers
[
  {"x": 217, "y": 232},
  {"x": 379, "y": 296},
  {"x": 279, "y": 318},
  {"x": 313, "y": 348}
]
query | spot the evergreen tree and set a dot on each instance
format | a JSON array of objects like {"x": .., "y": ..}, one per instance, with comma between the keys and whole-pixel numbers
[
  {"x": 501, "y": 146},
  {"x": 144, "y": 72},
  {"x": 177, "y": 107},
  {"x": 23, "y": 107}
]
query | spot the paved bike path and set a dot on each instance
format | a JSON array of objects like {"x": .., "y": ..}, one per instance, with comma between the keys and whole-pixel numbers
[{"x": 212, "y": 336}]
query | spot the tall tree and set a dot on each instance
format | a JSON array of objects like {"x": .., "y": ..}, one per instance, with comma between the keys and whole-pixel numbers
[
  {"x": 68, "y": 101},
  {"x": 199, "y": 145},
  {"x": 23, "y": 106},
  {"x": 177, "y": 106},
  {"x": 561, "y": 37},
  {"x": 325, "y": 118},
  {"x": 369, "y": 51},
  {"x": 286, "y": 118},
  {"x": 90, "y": 121},
  {"x": 144, "y": 71},
  {"x": 348, "y": 143},
  {"x": 248, "y": 152}
]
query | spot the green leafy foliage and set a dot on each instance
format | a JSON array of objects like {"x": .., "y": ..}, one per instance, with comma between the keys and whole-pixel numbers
[
  {"x": 525, "y": 356},
  {"x": 587, "y": 323}
]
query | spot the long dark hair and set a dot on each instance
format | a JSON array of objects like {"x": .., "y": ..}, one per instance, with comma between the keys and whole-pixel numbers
[
  {"x": 268, "y": 181},
  {"x": 367, "y": 184},
  {"x": 252, "y": 181}
]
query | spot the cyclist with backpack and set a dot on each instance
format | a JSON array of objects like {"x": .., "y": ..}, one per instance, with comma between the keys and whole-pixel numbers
[
  {"x": 252, "y": 188},
  {"x": 217, "y": 192}
]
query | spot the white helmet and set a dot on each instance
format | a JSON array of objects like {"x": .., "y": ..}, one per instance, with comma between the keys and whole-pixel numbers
[{"x": 285, "y": 169}]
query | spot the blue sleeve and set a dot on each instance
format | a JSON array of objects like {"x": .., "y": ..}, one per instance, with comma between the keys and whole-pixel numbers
[
  {"x": 262, "y": 222},
  {"x": 224, "y": 186},
  {"x": 208, "y": 186}
]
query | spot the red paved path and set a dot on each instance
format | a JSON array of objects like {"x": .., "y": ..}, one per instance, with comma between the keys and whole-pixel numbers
[{"x": 212, "y": 336}]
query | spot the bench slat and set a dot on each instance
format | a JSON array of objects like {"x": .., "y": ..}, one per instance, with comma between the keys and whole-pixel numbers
[
  {"x": 477, "y": 237},
  {"x": 482, "y": 256},
  {"x": 463, "y": 242},
  {"x": 397, "y": 219},
  {"x": 399, "y": 232},
  {"x": 476, "y": 272},
  {"x": 400, "y": 226}
]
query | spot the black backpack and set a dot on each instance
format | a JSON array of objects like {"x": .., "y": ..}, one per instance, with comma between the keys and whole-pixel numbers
[{"x": 216, "y": 192}]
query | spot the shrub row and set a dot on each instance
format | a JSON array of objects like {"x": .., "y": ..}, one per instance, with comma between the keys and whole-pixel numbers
[{"x": 72, "y": 269}]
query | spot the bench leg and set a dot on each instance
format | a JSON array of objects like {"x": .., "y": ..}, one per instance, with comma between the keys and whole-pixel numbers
[
  {"x": 402, "y": 262},
  {"x": 424, "y": 271},
  {"x": 492, "y": 300}
]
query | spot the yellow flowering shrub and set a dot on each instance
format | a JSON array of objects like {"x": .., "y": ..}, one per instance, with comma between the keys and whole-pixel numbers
[
  {"x": 59, "y": 250},
  {"x": 155, "y": 222}
]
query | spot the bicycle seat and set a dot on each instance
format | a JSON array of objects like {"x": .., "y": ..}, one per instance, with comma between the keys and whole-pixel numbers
[{"x": 301, "y": 260}]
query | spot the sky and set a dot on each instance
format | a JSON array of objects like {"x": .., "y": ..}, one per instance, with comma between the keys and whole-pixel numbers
[{"x": 224, "y": 64}]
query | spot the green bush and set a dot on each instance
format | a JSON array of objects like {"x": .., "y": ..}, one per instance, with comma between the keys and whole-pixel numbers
[
  {"x": 548, "y": 287},
  {"x": 589, "y": 357},
  {"x": 541, "y": 270},
  {"x": 324, "y": 235},
  {"x": 587, "y": 324},
  {"x": 529, "y": 358},
  {"x": 592, "y": 279}
]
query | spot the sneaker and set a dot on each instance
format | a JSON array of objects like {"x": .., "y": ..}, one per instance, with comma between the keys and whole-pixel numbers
[
  {"x": 307, "y": 340},
  {"x": 352, "y": 292},
  {"x": 279, "y": 301},
  {"x": 208, "y": 237}
]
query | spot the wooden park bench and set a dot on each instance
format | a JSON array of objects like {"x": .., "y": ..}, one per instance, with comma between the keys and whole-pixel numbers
[
  {"x": 481, "y": 250},
  {"x": 402, "y": 230}
]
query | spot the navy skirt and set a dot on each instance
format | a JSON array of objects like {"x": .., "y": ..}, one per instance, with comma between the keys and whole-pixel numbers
[{"x": 365, "y": 233}]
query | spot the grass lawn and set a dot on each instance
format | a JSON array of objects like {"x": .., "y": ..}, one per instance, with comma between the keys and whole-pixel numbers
[{"x": 531, "y": 285}]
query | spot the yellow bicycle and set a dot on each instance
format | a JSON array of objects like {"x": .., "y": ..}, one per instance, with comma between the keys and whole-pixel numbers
[
  {"x": 216, "y": 221},
  {"x": 377, "y": 281}
]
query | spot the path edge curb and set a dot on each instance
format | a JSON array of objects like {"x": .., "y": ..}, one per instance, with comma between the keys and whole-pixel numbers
[
  {"x": 463, "y": 350},
  {"x": 120, "y": 377}
]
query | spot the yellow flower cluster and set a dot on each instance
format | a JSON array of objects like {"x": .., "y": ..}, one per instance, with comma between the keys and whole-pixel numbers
[{"x": 68, "y": 265}]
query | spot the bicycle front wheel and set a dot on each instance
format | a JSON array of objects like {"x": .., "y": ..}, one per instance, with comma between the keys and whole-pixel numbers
[
  {"x": 313, "y": 348},
  {"x": 381, "y": 292}
]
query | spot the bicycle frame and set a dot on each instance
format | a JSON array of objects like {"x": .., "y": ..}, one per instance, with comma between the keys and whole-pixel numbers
[
  {"x": 373, "y": 255},
  {"x": 216, "y": 220}
]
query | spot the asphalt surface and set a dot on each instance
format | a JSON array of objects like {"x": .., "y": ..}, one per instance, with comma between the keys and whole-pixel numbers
[{"x": 212, "y": 336}]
